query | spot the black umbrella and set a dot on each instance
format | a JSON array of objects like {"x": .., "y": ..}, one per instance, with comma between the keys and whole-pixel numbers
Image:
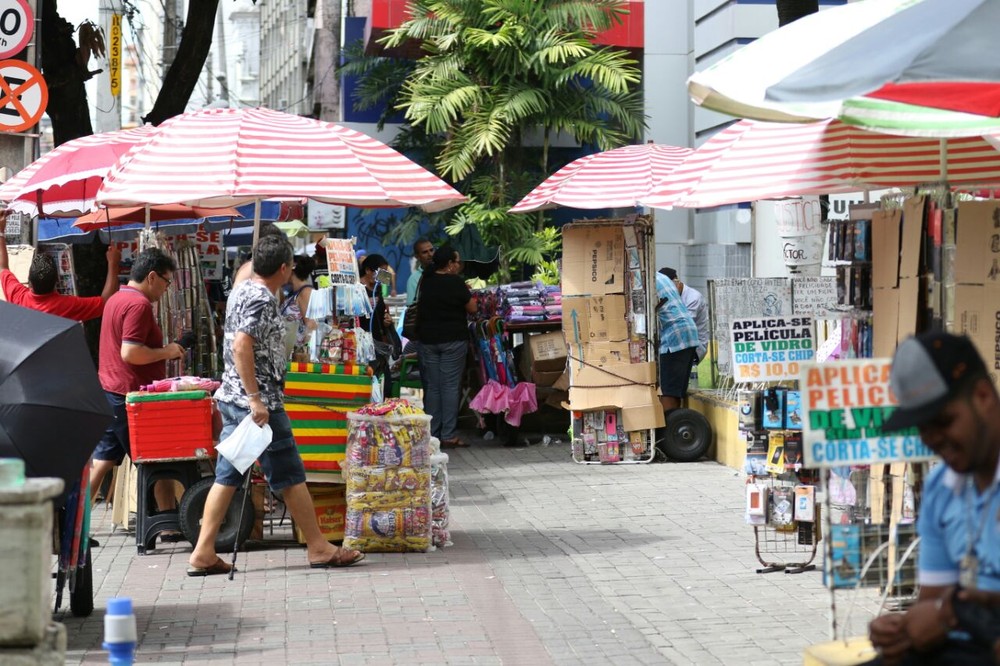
[{"x": 52, "y": 408}]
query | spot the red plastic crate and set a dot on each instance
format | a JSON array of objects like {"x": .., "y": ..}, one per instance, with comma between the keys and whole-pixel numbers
[{"x": 171, "y": 430}]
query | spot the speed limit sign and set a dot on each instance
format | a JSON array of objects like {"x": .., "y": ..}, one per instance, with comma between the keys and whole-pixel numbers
[{"x": 16, "y": 25}]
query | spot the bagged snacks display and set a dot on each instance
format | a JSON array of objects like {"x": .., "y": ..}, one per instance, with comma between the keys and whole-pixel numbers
[{"x": 388, "y": 477}]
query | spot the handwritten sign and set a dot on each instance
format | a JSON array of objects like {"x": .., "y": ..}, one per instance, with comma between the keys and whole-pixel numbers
[
  {"x": 209, "y": 244},
  {"x": 846, "y": 404},
  {"x": 341, "y": 261},
  {"x": 770, "y": 348},
  {"x": 732, "y": 298},
  {"x": 814, "y": 296}
]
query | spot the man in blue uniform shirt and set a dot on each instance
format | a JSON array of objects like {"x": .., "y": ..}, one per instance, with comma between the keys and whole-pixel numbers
[{"x": 944, "y": 390}]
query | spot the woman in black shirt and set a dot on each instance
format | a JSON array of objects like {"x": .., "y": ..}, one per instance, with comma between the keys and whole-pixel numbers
[{"x": 443, "y": 331}]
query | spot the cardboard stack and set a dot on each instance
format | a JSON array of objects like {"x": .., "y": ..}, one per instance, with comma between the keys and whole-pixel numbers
[
  {"x": 977, "y": 278},
  {"x": 896, "y": 238},
  {"x": 596, "y": 316}
]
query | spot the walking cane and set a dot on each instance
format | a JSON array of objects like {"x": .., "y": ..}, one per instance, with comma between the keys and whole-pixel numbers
[{"x": 239, "y": 524}]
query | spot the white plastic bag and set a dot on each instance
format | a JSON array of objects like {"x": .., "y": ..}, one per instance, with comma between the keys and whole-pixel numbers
[{"x": 245, "y": 444}]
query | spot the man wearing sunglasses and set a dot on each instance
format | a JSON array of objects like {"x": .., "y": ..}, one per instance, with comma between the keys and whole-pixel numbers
[{"x": 132, "y": 354}]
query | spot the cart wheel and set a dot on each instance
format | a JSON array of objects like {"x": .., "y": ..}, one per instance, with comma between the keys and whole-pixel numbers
[
  {"x": 81, "y": 597},
  {"x": 686, "y": 437},
  {"x": 193, "y": 506}
]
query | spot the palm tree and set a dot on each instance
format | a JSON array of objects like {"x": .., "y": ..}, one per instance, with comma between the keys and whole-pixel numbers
[{"x": 495, "y": 69}]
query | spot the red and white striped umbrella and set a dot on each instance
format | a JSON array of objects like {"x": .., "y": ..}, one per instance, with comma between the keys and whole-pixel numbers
[
  {"x": 616, "y": 178},
  {"x": 753, "y": 160},
  {"x": 65, "y": 179},
  {"x": 227, "y": 157}
]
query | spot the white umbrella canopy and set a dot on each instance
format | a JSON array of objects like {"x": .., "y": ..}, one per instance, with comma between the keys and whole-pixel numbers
[
  {"x": 227, "y": 157},
  {"x": 745, "y": 84},
  {"x": 938, "y": 53},
  {"x": 753, "y": 160},
  {"x": 616, "y": 178}
]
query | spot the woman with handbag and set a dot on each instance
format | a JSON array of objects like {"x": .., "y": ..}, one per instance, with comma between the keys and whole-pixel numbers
[
  {"x": 380, "y": 325},
  {"x": 444, "y": 305}
]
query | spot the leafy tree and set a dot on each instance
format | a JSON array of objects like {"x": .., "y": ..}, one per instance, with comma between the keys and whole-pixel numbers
[{"x": 492, "y": 72}]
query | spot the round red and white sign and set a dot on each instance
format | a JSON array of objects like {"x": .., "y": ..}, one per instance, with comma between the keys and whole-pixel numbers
[
  {"x": 17, "y": 23},
  {"x": 23, "y": 95}
]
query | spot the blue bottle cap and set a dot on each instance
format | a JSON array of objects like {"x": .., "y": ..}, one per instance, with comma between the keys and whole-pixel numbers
[{"x": 119, "y": 606}]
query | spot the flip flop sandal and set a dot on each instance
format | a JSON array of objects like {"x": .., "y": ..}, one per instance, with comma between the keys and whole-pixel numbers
[
  {"x": 172, "y": 537},
  {"x": 217, "y": 568},
  {"x": 455, "y": 443},
  {"x": 336, "y": 561}
]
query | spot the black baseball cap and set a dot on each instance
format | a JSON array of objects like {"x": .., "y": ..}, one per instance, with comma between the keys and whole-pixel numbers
[
  {"x": 669, "y": 272},
  {"x": 928, "y": 371}
]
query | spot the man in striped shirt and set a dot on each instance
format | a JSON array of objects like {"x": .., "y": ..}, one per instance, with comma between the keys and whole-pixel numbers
[{"x": 678, "y": 343}]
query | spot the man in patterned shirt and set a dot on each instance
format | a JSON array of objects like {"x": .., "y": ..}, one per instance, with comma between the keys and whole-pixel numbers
[
  {"x": 678, "y": 343},
  {"x": 252, "y": 384}
]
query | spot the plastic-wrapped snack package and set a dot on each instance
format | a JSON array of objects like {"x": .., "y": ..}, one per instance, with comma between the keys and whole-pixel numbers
[
  {"x": 388, "y": 476},
  {"x": 391, "y": 530},
  {"x": 440, "y": 534},
  {"x": 388, "y": 441},
  {"x": 386, "y": 479}
]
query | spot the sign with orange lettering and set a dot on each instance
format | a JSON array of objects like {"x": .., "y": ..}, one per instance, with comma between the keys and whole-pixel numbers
[{"x": 845, "y": 404}]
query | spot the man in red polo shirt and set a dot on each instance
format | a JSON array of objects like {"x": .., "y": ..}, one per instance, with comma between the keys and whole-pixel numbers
[
  {"x": 43, "y": 276},
  {"x": 132, "y": 354}
]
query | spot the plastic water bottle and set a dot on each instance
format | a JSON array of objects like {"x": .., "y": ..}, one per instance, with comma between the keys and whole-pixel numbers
[{"x": 119, "y": 632}]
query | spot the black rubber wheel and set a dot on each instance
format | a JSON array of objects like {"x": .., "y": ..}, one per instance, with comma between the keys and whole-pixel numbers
[
  {"x": 81, "y": 597},
  {"x": 193, "y": 506},
  {"x": 686, "y": 437}
]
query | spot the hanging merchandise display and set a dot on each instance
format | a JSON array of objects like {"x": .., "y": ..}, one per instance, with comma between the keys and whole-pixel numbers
[{"x": 609, "y": 325}]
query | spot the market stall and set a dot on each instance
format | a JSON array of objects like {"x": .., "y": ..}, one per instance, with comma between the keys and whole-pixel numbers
[{"x": 609, "y": 325}]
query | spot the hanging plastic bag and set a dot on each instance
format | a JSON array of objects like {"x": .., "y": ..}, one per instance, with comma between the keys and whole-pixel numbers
[
  {"x": 245, "y": 444},
  {"x": 376, "y": 389}
]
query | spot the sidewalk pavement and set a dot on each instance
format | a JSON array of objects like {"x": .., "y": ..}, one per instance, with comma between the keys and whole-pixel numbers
[{"x": 552, "y": 563}]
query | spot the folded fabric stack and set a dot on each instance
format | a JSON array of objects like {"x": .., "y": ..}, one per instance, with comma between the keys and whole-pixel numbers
[
  {"x": 523, "y": 302},
  {"x": 174, "y": 384}
]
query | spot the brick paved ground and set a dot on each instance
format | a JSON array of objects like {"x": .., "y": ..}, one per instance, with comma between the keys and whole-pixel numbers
[{"x": 553, "y": 563}]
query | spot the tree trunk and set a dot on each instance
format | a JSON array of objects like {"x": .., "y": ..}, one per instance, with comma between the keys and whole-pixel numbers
[
  {"x": 184, "y": 72},
  {"x": 793, "y": 10},
  {"x": 68, "y": 107}
]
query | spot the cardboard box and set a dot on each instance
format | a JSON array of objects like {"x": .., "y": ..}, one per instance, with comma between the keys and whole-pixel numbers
[
  {"x": 912, "y": 233},
  {"x": 593, "y": 260},
  {"x": 545, "y": 378},
  {"x": 977, "y": 314},
  {"x": 530, "y": 364},
  {"x": 885, "y": 325},
  {"x": 583, "y": 399},
  {"x": 615, "y": 375},
  {"x": 977, "y": 242},
  {"x": 601, "y": 353},
  {"x": 644, "y": 417},
  {"x": 331, "y": 510},
  {"x": 562, "y": 384},
  {"x": 546, "y": 346},
  {"x": 885, "y": 248},
  {"x": 588, "y": 319},
  {"x": 909, "y": 307}
]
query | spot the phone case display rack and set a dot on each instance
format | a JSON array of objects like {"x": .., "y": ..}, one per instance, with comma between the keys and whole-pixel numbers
[
  {"x": 870, "y": 519},
  {"x": 599, "y": 436},
  {"x": 780, "y": 495}
]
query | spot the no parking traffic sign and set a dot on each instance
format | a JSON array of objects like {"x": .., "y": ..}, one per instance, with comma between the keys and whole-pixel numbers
[
  {"x": 16, "y": 25},
  {"x": 23, "y": 95}
]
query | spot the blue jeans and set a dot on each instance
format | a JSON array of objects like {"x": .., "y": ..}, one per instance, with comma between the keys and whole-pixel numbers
[
  {"x": 441, "y": 368},
  {"x": 280, "y": 461}
]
